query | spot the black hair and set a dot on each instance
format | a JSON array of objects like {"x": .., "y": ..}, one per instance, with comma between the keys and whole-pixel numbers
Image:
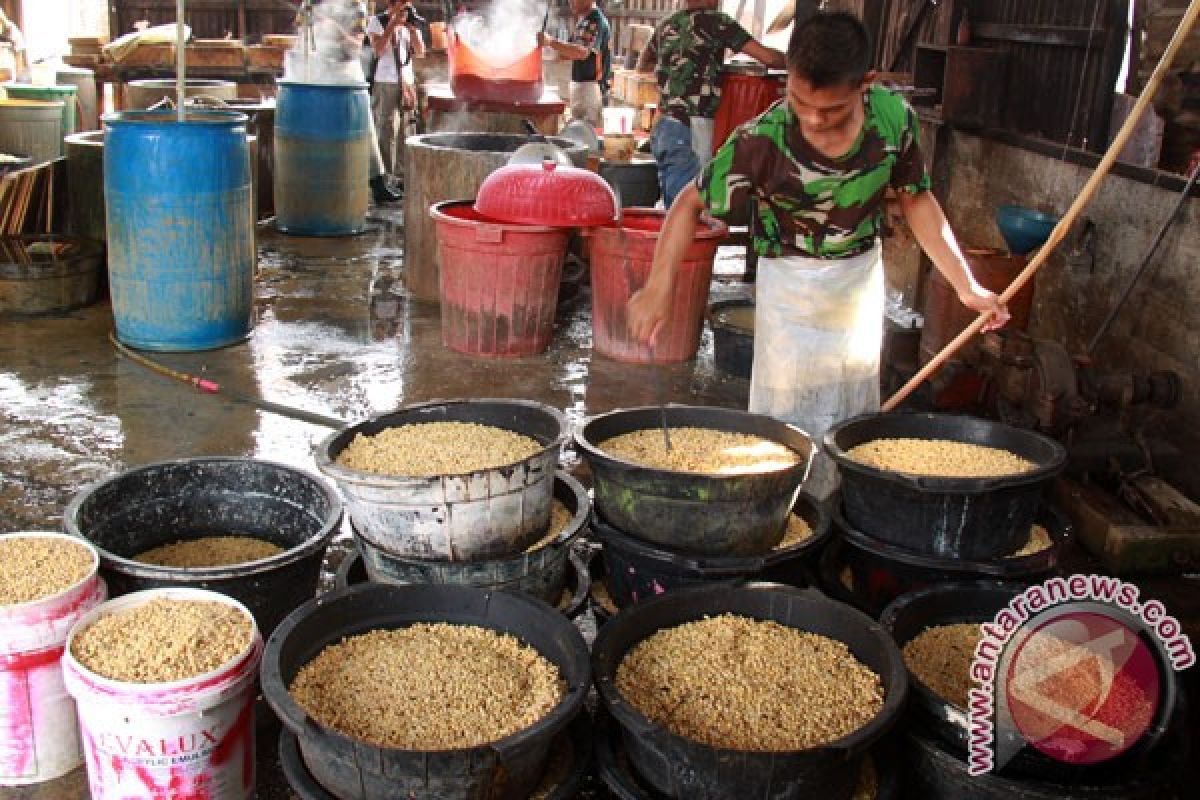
[{"x": 830, "y": 49}]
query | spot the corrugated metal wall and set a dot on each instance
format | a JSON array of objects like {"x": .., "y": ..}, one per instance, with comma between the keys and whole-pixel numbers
[
  {"x": 1063, "y": 57},
  {"x": 209, "y": 19}
]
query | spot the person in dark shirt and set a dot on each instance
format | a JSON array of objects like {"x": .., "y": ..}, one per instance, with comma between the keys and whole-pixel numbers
[{"x": 590, "y": 50}]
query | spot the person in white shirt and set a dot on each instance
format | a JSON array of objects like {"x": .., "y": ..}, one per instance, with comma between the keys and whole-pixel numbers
[{"x": 395, "y": 43}]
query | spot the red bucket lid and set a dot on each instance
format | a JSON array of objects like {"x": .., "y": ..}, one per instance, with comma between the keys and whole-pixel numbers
[{"x": 547, "y": 194}]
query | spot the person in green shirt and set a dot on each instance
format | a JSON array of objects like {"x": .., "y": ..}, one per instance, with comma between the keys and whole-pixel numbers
[{"x": 817, "y": 165}]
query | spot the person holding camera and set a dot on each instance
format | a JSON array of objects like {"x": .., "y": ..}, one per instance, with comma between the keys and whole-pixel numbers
[{"x": 395, "y": 40}]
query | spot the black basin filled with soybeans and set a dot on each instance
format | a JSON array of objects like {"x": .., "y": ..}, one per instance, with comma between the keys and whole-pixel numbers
[
  {"x": 761, "y": 692},
  {"x": 938, "y": 630},
  {"x": 725, "y": 487},
  {"x": 447, "y": 692},
  {"x": 455, "y": 480},
  {"x": 253, "y": 530},
  {"x": 942, "y": 484}
]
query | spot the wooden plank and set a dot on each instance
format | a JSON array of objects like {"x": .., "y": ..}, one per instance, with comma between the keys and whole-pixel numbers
[{"x": 1059, "y": 35}]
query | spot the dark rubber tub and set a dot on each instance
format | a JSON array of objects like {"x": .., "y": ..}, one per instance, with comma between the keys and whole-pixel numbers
[
  {"x": 571, "y": 602},
  {"x": 541, "y": 573},
  {"x": 568, "y": 765},
  {"x": 721, "y": 515},
  {"x": 980, "y": 601},
  {"x": 882, "y": 571},
  {"x": 681, "y": 768},
  {"x": 977, "y": 518},
  {"x": 638, "y": 570},
  {"x": 507, "y": 769},
  {"x": 733, "y": 345},
  {"x": 619, "y": 776},
  {"x": 191, "y": 498},
  {"x": 934, "y": 773}
]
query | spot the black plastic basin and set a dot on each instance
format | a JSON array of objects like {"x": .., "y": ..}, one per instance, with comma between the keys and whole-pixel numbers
[
  {"x": 541, "y": 573},
  {"x": 733, "y": 345},
  {"x": 160, "y": 503},
  {"x": 638, "y": 570},
  {"x": 978, "y": 518},
  {"x": 682, "y": 768},
  {"x": 576, "y": 587},
  {"x": 507, "y": 769},
  {"x": 980, "y": 601},
  {"x": 883, "y": 571},
  {"x": 721, "y": 515}
]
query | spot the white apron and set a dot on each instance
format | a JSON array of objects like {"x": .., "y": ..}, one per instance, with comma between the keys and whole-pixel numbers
[{"x": 818, "y": 330}]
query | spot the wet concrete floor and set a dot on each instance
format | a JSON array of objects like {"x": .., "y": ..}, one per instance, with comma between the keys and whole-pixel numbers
[{"x": 336, "y": 334}]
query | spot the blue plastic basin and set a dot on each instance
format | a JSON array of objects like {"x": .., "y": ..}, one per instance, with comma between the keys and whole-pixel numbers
[{"x": 1024, "y": 229}]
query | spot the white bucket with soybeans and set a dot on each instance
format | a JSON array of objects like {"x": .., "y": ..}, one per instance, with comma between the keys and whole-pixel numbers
[
  {"x": 47, "y": 582},
  {"x": 165, "y": 684}
]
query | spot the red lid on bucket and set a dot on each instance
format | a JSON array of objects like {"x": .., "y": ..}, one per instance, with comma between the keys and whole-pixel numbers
[{"x": 547, "y": 194}]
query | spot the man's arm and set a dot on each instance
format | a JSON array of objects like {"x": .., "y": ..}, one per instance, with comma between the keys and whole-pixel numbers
[
  {"x": 767, "y": 55},
  {"x": 568, "y": 50},
  {"x": 929, "y": 225},
  {"x": 415, "y": 40},
  {"x": 649, "y": 306}
]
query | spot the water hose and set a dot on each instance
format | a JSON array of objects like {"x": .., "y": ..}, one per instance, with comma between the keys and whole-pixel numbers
[{"x": 212, "y": 387}]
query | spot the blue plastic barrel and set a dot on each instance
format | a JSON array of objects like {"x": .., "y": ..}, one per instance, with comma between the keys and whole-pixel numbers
[
  {"x": 180, "y": 228},
  {"x": 322, "y": 156}
]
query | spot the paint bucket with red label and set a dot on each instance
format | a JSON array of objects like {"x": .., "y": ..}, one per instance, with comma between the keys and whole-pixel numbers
[
  {"x": 39, "y": 735},
  {"x": 186, "y": 738}
]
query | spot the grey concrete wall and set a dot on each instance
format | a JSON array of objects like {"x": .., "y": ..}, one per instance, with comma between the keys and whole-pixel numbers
[{"x": 1159, "y": 328}]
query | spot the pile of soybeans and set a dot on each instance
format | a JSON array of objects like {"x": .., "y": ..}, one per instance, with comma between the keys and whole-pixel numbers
[
  {"x": 209, "y": 551},
  {"x": 163, "y": 640},
  {"x": 33, "y": 567},
  {"x": 702, "y": 450},
  {"x": 941, "y": 659},
  {"x": 748, "y": 684},
  {"x": 939, "y": 458},
  {"x": 428, "y": 687},
  {"x": 437, "y": 448}
]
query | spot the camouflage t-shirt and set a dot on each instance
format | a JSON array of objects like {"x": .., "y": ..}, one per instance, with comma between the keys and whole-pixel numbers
[
  {"x": 688, "y": 48},
  {"x": 807, "y": 203}
]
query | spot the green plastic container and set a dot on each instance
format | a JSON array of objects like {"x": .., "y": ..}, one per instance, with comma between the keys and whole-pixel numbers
[{"x": 64, "y": 94}]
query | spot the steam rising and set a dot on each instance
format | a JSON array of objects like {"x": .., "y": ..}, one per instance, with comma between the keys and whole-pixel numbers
[
  {"x": 504, "y": 31},
  {"x": 327, "y": 51}
]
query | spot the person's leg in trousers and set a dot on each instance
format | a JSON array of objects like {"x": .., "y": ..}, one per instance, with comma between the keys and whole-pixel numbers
[
  {"x": 385, "y": 103},
  {"x": 377, "y": 177},
  {"x": 671, "y": 144}
]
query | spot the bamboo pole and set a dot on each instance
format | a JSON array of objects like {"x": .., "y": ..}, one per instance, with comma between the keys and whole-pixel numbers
[
  {"x": 1060, "y": 230},
  {"x": 180, "y": 61}
]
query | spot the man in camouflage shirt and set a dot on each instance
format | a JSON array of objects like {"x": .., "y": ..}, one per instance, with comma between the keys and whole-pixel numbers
[
  {"x": 686, "y": 54},
  {"x": 817, "y": 166}
]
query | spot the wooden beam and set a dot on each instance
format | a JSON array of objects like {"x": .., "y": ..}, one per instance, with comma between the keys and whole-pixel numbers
[{"x": 1060, "y": 35}]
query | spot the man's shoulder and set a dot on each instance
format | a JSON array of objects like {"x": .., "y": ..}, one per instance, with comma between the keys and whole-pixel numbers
[{"x": 889, "y": 106}]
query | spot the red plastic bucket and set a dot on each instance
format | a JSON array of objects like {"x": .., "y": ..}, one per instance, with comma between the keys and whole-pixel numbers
[
  {"x": 183, "y": 739},
  {"x": 621, "y": 266},
  {"x": 39, "y": 733},
  {"x": 499, "y": 282},
  {"x": 743, "y": 97}
]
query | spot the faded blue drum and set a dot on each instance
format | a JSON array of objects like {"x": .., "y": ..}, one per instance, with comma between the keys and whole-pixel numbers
[
  {"x": 180, "y": 228},
  {"x": 322, "y": 156}
]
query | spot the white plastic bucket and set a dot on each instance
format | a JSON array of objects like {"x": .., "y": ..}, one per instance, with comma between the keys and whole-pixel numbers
[
  {"x": 150, "y": 741},
  {"x": 39, "y": 734}
]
